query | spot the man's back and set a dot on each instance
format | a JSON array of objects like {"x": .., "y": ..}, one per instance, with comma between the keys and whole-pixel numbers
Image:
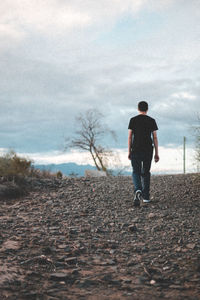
[{"x": 142, "y": 127}]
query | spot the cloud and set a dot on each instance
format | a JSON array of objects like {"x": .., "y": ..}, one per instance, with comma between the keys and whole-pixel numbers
[
  {"x": 43, "y": 99},
  {"x": 183, "y": 95},
  {"x": 51, "y": 17},
  {"x": 59, "y": 58},
  {"x": 43, "y": 16},
  {"x": 6, "y": 30}
]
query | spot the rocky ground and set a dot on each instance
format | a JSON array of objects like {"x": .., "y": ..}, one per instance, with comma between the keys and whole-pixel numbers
[{"x": 83, "y": 239}]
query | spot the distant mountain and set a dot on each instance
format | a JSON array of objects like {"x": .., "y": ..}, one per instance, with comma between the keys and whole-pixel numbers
[
  {"x": 71, "y": 169},
  {"x": 68, "y": 169}
]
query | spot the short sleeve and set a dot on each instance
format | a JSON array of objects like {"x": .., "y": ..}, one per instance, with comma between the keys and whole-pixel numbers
[
  {"x": 130, "y": 126},
  {"x": 154, "y": 126}
]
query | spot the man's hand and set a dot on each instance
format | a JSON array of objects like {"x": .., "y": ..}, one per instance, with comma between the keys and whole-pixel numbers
[{"x": 155, "y": 141}]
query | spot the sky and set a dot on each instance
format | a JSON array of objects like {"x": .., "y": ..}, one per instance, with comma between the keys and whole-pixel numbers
[{"x": 61, "y": 57}]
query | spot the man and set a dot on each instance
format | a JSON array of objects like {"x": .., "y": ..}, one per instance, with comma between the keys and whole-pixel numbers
[{"x": 142, "y": 129}]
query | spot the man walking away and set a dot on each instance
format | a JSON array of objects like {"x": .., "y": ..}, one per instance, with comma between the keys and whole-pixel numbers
[{"x": 141, "y": 138}]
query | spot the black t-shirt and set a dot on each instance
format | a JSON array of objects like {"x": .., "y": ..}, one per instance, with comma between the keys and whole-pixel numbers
[{"x": 142, "y": 127}]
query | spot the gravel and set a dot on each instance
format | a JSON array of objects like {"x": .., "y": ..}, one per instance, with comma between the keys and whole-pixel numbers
[{"x": 82, "y": 238}]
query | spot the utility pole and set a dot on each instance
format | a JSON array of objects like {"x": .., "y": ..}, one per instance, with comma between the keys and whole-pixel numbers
[{"x": 184, "y": 142}]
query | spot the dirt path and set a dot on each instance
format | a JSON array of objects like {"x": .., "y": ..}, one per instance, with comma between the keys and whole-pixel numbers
[{"x": 83, "y": 239}]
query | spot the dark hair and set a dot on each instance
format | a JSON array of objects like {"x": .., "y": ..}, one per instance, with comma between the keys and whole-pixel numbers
[{"x": 143, "y": 106}]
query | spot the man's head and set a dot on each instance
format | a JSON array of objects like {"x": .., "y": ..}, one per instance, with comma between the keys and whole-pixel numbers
[{"x": 143, "y": 106}]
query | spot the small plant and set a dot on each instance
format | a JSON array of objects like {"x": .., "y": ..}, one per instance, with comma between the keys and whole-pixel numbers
[
  {"x": 37, "y": 173},
  {"x": 59, "y": 175},
  {"x": 73, "y": 174}
]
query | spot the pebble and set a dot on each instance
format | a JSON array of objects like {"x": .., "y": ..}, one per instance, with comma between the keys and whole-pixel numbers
[
  {"x": 132, "y": 228},
  {"x": 58, "y": 276},
  {"x": 151, "y": 215}
]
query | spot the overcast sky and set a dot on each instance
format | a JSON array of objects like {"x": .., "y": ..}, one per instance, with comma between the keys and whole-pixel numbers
[{"x": 61, "y": 57}]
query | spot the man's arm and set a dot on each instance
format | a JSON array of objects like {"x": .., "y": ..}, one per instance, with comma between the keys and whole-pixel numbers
[
  {"x": 129, "y": 143},
  {"x": 155, "y": 141}
]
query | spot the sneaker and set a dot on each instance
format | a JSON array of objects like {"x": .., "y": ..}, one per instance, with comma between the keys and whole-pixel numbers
[
  {"x": 137, "y": 198},
  {"x": 146, "y": 200}
]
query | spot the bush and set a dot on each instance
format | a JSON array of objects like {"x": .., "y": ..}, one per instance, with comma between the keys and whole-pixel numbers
[
  {"x": 59, "y": 175},
  {"x": 12, "y": 166},
  {"x": 16, "y": 168}
]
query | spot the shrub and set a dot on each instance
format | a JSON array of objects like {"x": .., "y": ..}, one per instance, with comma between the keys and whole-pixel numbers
[
  {"x": 45, "y": 173},
  {"x": 59, "y": 175},
  {"x": 12, "y": 166}
]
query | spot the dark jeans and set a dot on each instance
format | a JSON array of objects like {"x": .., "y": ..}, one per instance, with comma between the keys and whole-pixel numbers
[{"x": 141, "y": 163}]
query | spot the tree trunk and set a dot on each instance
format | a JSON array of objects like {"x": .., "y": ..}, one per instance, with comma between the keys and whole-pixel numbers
[
  {"x": 94, "y": 159},
  {"x": 100, "y": 161}
]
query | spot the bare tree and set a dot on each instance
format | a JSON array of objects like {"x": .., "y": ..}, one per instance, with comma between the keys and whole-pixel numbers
[{"x": 89, "y": 137}]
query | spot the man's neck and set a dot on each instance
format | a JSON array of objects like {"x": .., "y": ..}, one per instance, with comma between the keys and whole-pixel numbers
[{"x": 142, "y": 112}]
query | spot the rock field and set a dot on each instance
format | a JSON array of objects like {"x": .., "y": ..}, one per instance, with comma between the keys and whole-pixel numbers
[{"x": 81, "y": 238}]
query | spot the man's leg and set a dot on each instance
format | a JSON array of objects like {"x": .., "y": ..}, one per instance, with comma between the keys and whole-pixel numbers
[
  {"x": 147, "y": 158},
  {"x": 136, "y": 175}
]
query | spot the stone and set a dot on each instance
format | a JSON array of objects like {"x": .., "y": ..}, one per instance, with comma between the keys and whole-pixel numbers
[
  {"x": 58, "y": 276},
  {"x": 132, "y": 228},
  {"x": 71, "y": 260},
  {"x": 191, "y": 246},
  {"x": 94, "y": 173},
  {"x": 151, "y": 215},
  {"x": 11, "y": 245}
]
